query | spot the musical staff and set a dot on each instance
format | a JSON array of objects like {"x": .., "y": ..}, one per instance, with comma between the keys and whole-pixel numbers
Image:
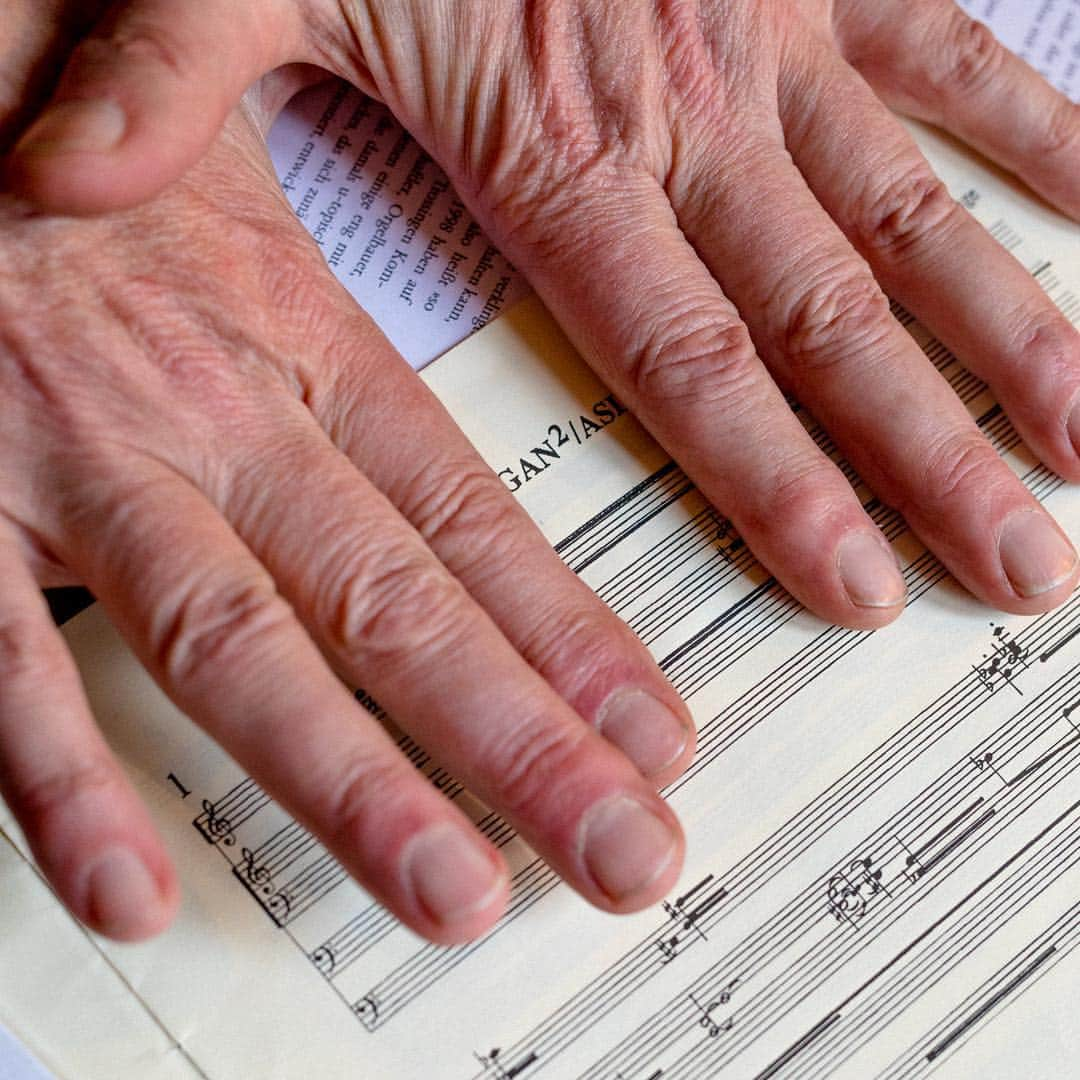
[
  {"x": 1005, "y": 660},
  {"x": 493, "y": 1066},
  {"x": 219, "y": 821},
  {"x": 1035, "y": 959},
  {"x": 937, "y": 824},
  {"x": 364, "y": 931},
  {"x": 1017, "y": 980},
  {"x": 714, "y": 975}
]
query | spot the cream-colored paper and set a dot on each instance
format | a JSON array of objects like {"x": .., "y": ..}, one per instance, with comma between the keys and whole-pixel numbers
[
  {"x": 59, "y": 992},
  {"x": 884, "y": 830}
]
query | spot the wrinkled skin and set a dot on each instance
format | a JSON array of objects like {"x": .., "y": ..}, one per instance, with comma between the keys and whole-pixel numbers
[
  {"x": 710, "y": 196},
  {"x": 161, "y": 431}
]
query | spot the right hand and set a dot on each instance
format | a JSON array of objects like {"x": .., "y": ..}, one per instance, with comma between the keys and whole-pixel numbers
[{"x": 201, "y": 426}]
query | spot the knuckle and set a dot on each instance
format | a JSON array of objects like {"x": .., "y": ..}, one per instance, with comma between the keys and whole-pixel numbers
[
  {"x": 906, "y": 213},
  {"x": 38, "y": 802},
  {"x": 803, "y": 495},
  {"x": 24, "y": 656},
  {"x": 292, "y": 281},
  {"x": 364, "y": 792},
  {"x": 462, "y": 507},
  {"x": 198, "y": 354},
  {"x": 400, "y": 607},
  {"x": 536, "y": 226},
  {"x": 531, "y": 761},
  {"x": 212, "y": 626},
  {"x": 540, "y": 207},
  {"x": 1061, "y": 136},
  {"x": 709, "y": 363},
  {"x": 197, "y": 372},
  {"x": 1049, "y": 343},
  {"x": 843, "y": 313},
  {"x": 576, "y": 649},
  {"x": 959, "y": 465},
  {"x": 971, "y": 54},
  {"x": 136, "y": 44}
]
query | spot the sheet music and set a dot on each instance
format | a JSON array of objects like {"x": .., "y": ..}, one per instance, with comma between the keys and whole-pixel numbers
[
  {"x": 882, "y": 873},
  {"x": 883, "y": 863}
]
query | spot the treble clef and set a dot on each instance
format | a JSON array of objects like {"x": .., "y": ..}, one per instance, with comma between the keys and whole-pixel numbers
[
  {"x": 216, "y": 828},
  {"x": 255, "y": 873}
]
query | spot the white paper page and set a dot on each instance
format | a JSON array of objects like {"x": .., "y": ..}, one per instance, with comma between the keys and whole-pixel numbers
[
  {"x": 392, "y": 229},
  {"x": 1046, "y": 33},
  {"x": 940, "y": 752}
]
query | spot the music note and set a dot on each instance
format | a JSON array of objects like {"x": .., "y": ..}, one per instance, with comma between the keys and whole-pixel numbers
[
  {"x": 985, "y": 763},
  {"x": 670, "y": 948},
  {"x": 849, "y": 891},
  {"x": 729, "y": 542},
  {"x": 1005, "y": 660},
  {"x": 706, "y": 1021}
]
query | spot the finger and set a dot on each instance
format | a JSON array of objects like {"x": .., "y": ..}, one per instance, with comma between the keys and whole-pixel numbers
[
  {"x": 88, "y": 830},
  {"x": 480, "y": 533},
  {"x": 207, "y": 622},
  {"x": 824, "y": 327},
  {"x": 143, "y": 97},
  {"x": 933, "y": 61},
  {"x": 922, "y": 246},
  {"x": 396, "y": 622},
  {"x": 674, "y": 349}
]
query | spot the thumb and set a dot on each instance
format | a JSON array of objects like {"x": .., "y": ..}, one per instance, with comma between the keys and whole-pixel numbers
[{"x": 144, "y": 96}]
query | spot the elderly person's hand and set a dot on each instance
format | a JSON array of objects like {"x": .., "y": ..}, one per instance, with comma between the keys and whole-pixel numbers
[
  {"x": 704, "y": 193},
  {"x": 200, "y": 425},
  {"x": 711, "y": 196}
]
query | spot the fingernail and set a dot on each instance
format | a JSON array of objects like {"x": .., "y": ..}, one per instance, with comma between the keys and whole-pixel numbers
[
  {"x": 124, "y": 898},
  {"x": 451, "y": 875},
  {"x": 87, "y": 126},
  {"x": 625, "y": 847},
  {"x": 868, "y": 571},
  {"x": 1035, "y": 555},
  {"x": 645, "y": 730}
]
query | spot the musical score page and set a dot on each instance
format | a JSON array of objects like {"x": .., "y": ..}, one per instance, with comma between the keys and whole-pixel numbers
[{"x": 884, "y": 829}]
